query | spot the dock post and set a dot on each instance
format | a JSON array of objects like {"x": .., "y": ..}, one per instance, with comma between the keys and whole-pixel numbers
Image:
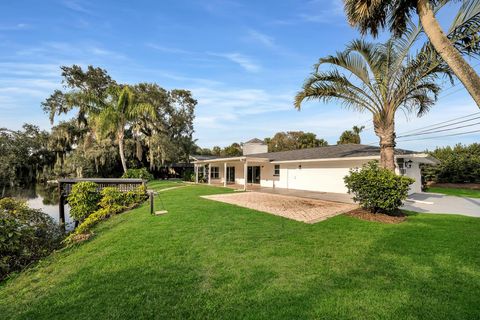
[
  {"x": 61, "y": 207},
  {"x": 151, "y": 203}
]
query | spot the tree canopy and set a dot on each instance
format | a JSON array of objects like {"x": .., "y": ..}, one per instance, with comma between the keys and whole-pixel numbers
[
  {"x": 351, "y": 136},
  {"x": 114, "y": 125}
]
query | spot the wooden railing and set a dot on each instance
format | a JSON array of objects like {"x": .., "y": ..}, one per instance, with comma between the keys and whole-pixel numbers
[{"x": 65, "y": 187}]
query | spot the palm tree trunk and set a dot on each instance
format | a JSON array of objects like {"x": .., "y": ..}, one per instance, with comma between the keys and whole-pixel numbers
[
  {"x": 121, "y": 151},
  {"x": 387, "y": 146},
  {"x": 464, "y": 72}
]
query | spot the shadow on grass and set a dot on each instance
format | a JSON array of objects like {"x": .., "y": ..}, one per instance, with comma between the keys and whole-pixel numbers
[{"x": 207, "y": 260}]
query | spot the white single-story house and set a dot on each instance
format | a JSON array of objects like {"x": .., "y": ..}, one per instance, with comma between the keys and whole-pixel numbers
[{"x": 315, "y": 169}]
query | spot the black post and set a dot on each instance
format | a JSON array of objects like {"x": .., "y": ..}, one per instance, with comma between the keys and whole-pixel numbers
[
  {"x": 61, "y": 207},
  {"x": 151, "y": 203}
]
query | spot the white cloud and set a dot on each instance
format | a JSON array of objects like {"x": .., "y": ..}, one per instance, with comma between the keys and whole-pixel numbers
[
  {"x": 224, "y": 108},
  {"x": 76, "y": 5},
  {"x": 242, "y": 60},
  {"x": 315, "y": 11},
  {"x": 18, "y": 26},
  {"x": 168, "y": 49},
  {"x": 79, "y": 50},
  {"x": 261, "y": 38}
]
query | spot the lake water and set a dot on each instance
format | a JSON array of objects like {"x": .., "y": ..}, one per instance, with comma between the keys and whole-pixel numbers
[{"x": 43, "y": 197}]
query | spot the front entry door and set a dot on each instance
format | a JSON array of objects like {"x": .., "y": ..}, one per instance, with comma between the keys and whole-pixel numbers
[
  {"x": 230, "y": 174},
  {"x": 253, "y": 174}
]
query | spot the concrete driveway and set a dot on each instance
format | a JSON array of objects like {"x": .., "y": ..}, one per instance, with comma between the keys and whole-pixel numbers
[{"x": 439, "y": 203}]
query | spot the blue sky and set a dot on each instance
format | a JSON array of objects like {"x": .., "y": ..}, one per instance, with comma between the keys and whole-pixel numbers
[{"x": 242, "y": 60}]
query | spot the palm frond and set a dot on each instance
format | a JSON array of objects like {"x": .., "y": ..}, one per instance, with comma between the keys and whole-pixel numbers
[
  {"x": 332, "y": 85},
  {"x": 464, "y": 31}
]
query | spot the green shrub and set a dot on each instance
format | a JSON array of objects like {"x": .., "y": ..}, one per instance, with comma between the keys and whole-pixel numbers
[
  {"x": 188, "y": 175},
  {"x": 141, "y": 173},
  {"x": 26, "y": 235},
  {"x": 113, "y": 200},
  {"x": 136, "y": 196},
  {"x": 378, "y": 189},
  {"x": 83, "y": 199},
  {"x": 458, "y": 164},
  {"x": 89, "y": 222}
]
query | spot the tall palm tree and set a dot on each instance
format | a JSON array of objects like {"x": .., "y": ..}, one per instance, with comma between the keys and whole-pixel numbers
[
  {"x": 462, "y": 37},
  {"x": 123, "y": 109},
  {"x": 370, "y": 77}
]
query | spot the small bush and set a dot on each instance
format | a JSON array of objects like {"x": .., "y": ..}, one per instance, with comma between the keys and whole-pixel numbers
[
  {"x": 378, "y": 189},
  {"x": 136, "y": 196},
  {"x": 112, "y": 201},
  {"x": 83, "y": 199},
  {"x": 138, "y": 174},
  {"x": 189, "y": 175},
  {"x": 26, "y": 235},
  {"x": 88, "y": 223}
]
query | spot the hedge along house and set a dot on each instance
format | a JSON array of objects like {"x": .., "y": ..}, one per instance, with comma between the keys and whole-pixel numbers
[{"x": 316, "y": 169}]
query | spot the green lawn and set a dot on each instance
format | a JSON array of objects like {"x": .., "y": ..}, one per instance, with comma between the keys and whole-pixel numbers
[
  {"x": 206, "y": 259},
  {"x": 164, "y": 184},
  {"x": 470, "y": 193}
]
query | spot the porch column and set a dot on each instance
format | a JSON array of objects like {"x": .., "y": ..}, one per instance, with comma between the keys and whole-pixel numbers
[
  {"x": 196, "y": 173},
  {"x": 245, "y": 174},
  {"x": 225, "y": 174},
  {"x": 209, "y": 173}
]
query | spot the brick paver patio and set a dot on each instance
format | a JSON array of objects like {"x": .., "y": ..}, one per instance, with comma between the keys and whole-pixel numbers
[{"x": 299, "y": 209}]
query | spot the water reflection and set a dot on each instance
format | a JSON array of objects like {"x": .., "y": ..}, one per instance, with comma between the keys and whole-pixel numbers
[{"x": 43, "y": 197}]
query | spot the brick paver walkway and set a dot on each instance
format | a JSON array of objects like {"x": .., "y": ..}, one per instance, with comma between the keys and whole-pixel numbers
[{"x": 300, "y": 209}]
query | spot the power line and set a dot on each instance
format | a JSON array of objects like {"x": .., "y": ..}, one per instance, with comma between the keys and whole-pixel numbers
[
  {"x": 434, "y": 130},
  {"x": 434, "y": 137},
  {"x": 435, "y": 125},
  {"x": 456, "y": 84},
  {"x": 442, "y": 136},
  {"x": 449, "y": 94}
]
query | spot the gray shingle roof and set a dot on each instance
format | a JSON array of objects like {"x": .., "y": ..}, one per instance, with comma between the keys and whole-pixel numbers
[
  {"x": 337, "y": 151},
  {"x": 202, "y": 157}
]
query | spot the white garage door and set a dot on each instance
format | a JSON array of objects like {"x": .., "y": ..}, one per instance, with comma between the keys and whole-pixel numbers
[{"x": 313, "y": 178}]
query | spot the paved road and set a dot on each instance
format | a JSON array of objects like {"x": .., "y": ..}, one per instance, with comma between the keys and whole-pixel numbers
[{"x": 439, "y": 203}]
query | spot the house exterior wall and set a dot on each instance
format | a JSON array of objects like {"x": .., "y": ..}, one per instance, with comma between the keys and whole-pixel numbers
[
  {"x": 324, "y": 176},
  {"x": 222, "y": 176},
  {"x": 252, "y": 148},
  {"x": 415, "y": 173}
]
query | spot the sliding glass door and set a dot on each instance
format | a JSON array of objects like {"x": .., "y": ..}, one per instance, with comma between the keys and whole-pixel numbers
[
  {"x": 253, "y": 174},
  {"x": 230, "y": 174}
]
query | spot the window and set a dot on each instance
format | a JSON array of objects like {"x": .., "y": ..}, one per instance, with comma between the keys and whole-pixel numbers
[
  {"x": 276, "y": 171},
  {"x": 215, "y": 173},
  {"x": 401, "y": 168}
]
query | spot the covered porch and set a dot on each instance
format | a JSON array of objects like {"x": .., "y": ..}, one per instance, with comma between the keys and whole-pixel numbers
[{"x": 242, "y": 172}]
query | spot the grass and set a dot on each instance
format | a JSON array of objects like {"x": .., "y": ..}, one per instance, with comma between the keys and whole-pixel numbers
[
  {"x": 164, "y": 184},
  {"x": 470, "y": 193},
  {"x": 206, "y": 259}
]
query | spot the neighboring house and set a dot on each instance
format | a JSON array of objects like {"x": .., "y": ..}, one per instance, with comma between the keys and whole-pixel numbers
[{"x": 315, "y": 169}]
